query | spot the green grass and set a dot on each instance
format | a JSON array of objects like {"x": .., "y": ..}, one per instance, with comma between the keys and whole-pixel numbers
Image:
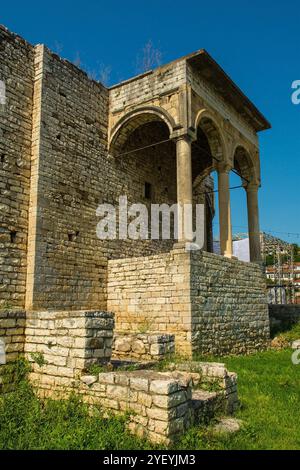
[
  {"x": 269, "y": 390},
  {"x": 291, "y": 334},
  {"x": 28, "y": 423}
]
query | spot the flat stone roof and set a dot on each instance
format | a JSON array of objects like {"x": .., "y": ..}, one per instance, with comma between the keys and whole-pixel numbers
[{"x": 202, "y": 62}]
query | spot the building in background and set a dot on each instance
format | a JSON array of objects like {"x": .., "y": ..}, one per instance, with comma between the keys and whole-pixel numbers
[
  {"x": 69, "y": 145},
  {"x": 282, "y": 265}
]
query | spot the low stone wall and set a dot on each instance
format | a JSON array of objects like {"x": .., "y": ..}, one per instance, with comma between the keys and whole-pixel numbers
[
  {"x": 145, "y": 347},
  {"x": 152, "y": 293},
  {"x": 160, "y": 401},
  {"x": 12, "y": 340},
  {"x": 214, "y": 375},
  {"x": 61, "y": 345},
  {"x": 163, "y": 404},
  {"x": 229, "y": 305},
  {"x": 210, "y": 303},
  {"x": 284, "y": 316}
]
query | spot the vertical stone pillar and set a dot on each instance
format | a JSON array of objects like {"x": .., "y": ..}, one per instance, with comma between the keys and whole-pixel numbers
[
  {"x": 253, "y": 222},
  {"x": 224, "y": 210},
  {"x": 184, "y": 186},
  {"x": 34, "y": 254}
]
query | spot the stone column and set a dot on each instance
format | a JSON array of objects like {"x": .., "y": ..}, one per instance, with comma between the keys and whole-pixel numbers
[
  {"x": 224, "y": 210},
  {"x": 253, "y": 222},
  {"x": 184, "y": 186}
]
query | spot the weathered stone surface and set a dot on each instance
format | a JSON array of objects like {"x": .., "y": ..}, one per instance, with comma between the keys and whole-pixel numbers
[
  {"x": 279, "y": 343},
  {"x": 143, "y": 346},
  {"x": 89, "y": 343},
  {"x": 227, "y": 425},
  {"x": 139, "y": 383},
  {"x": 296, "y": 344},
  {"x": 171, "y": 400},
  {"x": 122, "y": 345},
  {"x": 12, "y": 340},
  {"x": 107, "y": 378},
  {"x": 17, "y": 73},
  {"x": 284, "y": 316},
  {"x": 138, "y": 347},
  {"x": 164, "y": 387},
  {"x": 88, "y": 379},
  {"x": 192, "y": 314}
]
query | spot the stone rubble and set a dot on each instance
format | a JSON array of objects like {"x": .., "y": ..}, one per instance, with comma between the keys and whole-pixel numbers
[{"x": 143, "y": 346}]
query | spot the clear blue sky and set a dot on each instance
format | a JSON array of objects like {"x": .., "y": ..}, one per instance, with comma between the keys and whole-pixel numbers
[{"x": 256, "y": 42}]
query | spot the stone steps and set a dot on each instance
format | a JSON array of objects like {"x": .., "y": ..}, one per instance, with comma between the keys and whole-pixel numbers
[{"x": 205, "y": 405}]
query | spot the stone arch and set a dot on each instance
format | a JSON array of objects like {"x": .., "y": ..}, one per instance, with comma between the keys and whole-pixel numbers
[
  {"x": 133, "y": 120},
  {"x": 208, "y": 149},
  {"x": 203, "y": 193},
  {"x": 211, "y": 128},
  {"x": 244, "y": 163}
]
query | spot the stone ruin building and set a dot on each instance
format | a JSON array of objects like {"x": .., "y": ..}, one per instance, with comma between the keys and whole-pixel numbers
[{"x": 68, "y": 144}]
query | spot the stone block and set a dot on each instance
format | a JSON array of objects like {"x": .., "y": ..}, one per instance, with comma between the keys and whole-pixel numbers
[
  {"x": 171, "y": 400},
  {"x": 139, "y": 383},
  {"x": 163, "y": 387},
  {"x": 296, "y": 344},
  {"x": 107, "y": 378},
  {"x": 88, "y": 379}
]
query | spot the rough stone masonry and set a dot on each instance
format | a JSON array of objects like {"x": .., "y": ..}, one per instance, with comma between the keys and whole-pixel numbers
[{"x": 68, "y": 144}]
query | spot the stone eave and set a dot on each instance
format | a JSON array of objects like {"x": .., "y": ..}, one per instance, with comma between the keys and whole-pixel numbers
[
  {"x": 208, "y": 68},
  {"x": 210, "y": 71}
]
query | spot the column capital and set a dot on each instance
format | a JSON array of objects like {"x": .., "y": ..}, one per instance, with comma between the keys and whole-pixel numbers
[
  {"x": 184, "y": 134},
  {"x": 223, "y": 167},
  {"x": 252, "y": 185}
]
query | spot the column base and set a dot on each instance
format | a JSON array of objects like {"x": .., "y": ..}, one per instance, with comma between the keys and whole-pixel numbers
[{"x": 230, "y": 256}]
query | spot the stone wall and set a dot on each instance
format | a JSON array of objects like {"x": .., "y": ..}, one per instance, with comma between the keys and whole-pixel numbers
[
  {"x": 143, "y": 346},
  {"x": 66, "y": 263},
  {"x": 284, "y": 316},
  {"x": 16, "y": 71},
  {"x": 12, "y": 340},
  {"x": 213, "y": 375},
  {"x": 229, "y": 305},
  {"x": 152, "y": 294},
  {"x": 162, "y": 87},
  {"x": 160, "y": 401},
  {"x": 211, "y": 304},
  {"x": 60, "y": 345},
  {"x": 72, "y": 173},
  {"x": 54, "y": 155}
]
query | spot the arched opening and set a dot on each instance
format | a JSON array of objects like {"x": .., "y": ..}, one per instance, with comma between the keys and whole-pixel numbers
[
  {"x": 243, "y": 164},
  {"x": 243, "y": 173},
  {"x": 242, "y": 176},
  {"x": 207, "y": 150},
  {"x": 136, "y": 120},
  {"x": 145, "y": 159}
]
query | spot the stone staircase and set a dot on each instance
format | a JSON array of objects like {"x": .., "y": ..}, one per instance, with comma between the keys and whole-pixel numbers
[
  {"x": 205, "y": 405},
  {"x": 166, "y": 404}
]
